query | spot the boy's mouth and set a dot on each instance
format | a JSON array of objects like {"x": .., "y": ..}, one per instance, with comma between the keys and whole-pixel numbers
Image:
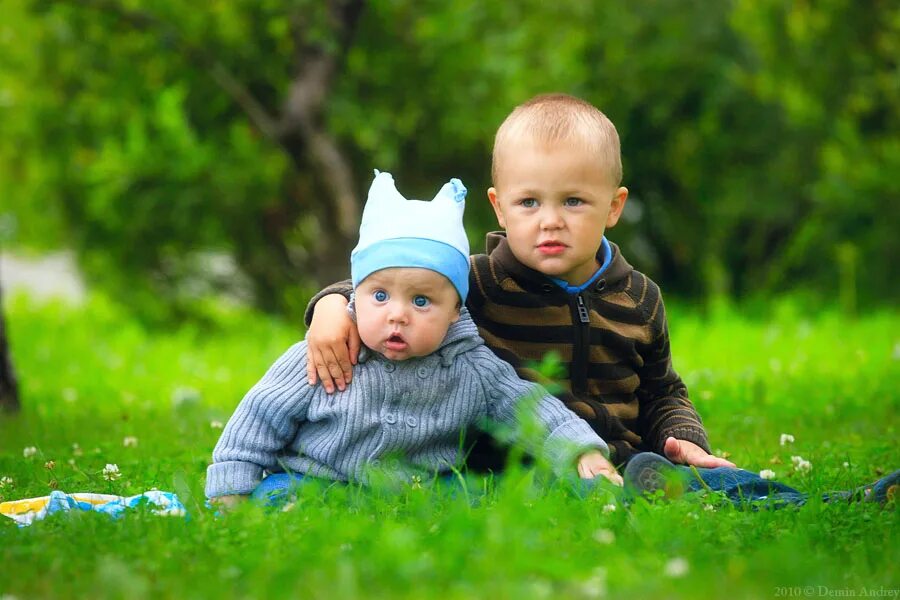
[
  {"x": 395, "y": 342},
  {"x": 551, "y": 247}
]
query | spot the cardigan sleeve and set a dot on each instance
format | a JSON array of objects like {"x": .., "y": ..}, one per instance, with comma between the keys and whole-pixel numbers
[
  {"x": 262, "y": 426},
  {"x": 561, "y": 435}
]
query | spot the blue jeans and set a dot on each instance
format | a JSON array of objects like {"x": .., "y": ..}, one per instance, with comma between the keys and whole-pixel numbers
[
  {"x": 741, "y": 486},
  {"x": 277, "y": 489}
]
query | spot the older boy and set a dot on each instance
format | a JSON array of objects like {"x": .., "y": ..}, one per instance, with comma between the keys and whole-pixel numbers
[
  {"x": 553, "y": 282},
  {"x": 423, "y": 378}
]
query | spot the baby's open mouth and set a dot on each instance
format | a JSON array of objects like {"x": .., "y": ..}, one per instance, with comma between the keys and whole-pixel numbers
[{"x": 395, "y": 342}]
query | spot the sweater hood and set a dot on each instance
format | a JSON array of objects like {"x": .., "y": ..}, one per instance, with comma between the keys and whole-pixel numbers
[
  {"x": 497, "y": 247},
  {"x": 461, "y": 337}
]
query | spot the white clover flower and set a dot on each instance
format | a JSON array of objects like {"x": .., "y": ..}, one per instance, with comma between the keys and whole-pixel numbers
[
  {"x": 216, "y": 424},
  {"x": 709, "y": 507},
  {"x": 6, "y": 482},
  {"x": 595, "y": 585},
  {"x": 183, "y": 396},
  {"x": 130, "y": 442},
  {"x": 29, "y": 451},
  {"x": 677, "y": 567},
  {"x": 604, "y": 536},
  {"x": 111, "y": 472},
  {"x": 846, "y": 465},
  {"x": 76, "y": 449},
  {"x": 609, "y": 508},
  {"x": 786, "y": 438},
  {"x": 767, "y": 474},
  {"x": 72, "y": 462},
  {"x": 801, "y": 464}
]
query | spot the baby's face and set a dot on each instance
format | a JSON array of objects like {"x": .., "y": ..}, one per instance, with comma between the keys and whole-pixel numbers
[
  {"x": 405, "y": 312},
  {"x": 555, "y": 202}
]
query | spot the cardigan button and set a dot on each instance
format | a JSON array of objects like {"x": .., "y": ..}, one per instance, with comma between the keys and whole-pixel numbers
[
  {"x": 546, "y": 288},
  {"x": 412, "y": 421},
  {"x": 422, "y": 372},
  {"x": 390, "y": 418},
  {"x": 389, "y": 367}
]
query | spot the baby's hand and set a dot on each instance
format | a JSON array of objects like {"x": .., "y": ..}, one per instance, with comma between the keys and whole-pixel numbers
[
  {"x": 229, "y": 502},
  {"x": 689, "y": 453},
  {"x": 332, "y": 343},
  {"x": 594, "y": 463}
]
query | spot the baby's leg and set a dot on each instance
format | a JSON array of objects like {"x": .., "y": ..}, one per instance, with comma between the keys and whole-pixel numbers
[{"x": 277, "y": 489}]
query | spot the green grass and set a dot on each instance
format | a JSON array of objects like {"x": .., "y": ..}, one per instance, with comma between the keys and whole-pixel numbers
[{"x": 93, "y": 377}]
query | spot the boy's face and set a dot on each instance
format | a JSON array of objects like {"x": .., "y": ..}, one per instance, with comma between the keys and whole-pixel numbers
[
  {"x": 405, "y": 312},
  {"x": 555, "y": 202}
]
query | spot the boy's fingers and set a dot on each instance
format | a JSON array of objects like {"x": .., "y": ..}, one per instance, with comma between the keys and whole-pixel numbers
[
  {"x": 311, "y": 374},
  {"x": 333, "y": 365},
  {"x": 354, "y": 344}
]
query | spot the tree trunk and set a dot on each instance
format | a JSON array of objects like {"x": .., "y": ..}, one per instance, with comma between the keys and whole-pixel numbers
[{"x": 9, "y": 389}]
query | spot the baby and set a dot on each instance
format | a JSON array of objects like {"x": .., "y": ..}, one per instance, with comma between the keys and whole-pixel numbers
[{"x": 423, "y": 376}]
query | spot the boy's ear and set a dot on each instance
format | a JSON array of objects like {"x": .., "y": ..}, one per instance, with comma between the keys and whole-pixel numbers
[
  {"x": 492, "y": 196},
  {"x": 616, "y": 206}
]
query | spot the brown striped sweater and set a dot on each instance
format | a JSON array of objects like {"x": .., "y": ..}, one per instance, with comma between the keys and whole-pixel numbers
[{"x": 613, "y": 341}]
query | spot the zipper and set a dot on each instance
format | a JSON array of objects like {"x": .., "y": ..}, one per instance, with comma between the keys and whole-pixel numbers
[
  {"x": 583, "y": 315},
  {"x": 581, "y": 351}
]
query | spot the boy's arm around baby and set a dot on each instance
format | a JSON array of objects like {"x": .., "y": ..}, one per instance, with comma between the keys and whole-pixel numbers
[
  {"x": 512, "y": 401},
  {"x": 262, "y": 426}
]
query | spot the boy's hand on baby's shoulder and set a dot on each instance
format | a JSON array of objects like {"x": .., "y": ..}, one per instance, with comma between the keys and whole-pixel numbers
[
  {"x": 688, "y": 453},
  {"x": 592, "y": 464},
  {"x": 332, "y": 344}
]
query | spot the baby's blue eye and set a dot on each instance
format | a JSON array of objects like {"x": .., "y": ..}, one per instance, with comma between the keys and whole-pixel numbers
[
  {"x": 574, "y": 201},
  {"x": 380, "y": 295},
  {"x": 421, "y": 301},
  {"x": 529, "y": 203}
]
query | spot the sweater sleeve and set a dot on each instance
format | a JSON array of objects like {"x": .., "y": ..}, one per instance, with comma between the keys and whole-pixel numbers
[
  {"x": 517, "y": 403},
  {"x": 665, "y": 409},
  {"x": 262, "y": 426},
  {"x": 344, "y": 288}
]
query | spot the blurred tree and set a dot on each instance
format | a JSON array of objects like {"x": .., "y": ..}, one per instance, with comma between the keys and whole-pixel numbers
[
  {"x": 185, "y": 150},
  {"x": 9, "y": 388}
]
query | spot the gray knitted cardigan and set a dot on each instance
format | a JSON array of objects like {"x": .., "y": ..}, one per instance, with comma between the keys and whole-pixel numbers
[{"x": 414, "y": 409}]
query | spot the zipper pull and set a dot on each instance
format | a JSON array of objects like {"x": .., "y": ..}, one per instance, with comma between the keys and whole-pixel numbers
[{"x": 583, "y": 315}]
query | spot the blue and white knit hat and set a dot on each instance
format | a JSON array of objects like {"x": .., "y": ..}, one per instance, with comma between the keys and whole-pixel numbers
[{"x": 396, "y": 232}]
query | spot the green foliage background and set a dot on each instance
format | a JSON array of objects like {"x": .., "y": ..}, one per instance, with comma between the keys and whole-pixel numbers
[{"x": 761, "y": 139}]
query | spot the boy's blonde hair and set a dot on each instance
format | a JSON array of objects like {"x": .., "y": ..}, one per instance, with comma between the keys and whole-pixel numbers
[{"x": 552, "y": 118}]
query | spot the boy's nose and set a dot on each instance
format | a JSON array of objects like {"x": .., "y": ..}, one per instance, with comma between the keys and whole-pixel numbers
[{"x": 550, "y": 218}]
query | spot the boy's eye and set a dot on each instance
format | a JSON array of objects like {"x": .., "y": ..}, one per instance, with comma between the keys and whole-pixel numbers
[
  {"x": 528, "y": 202},
  {"x": 421, "y": 301},
  {"x": 574, "y": 201},
  {"x": 380, "y": 295}
]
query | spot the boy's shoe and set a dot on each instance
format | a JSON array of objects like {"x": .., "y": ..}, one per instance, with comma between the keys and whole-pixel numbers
[
  {"x": 649, "y": 473},
  {"x": 886, "y": 489}
]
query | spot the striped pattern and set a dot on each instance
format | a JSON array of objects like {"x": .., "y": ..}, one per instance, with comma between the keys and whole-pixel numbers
[
  {"x": 414, "y": 411},
  {"x": 618, "y": 367}
]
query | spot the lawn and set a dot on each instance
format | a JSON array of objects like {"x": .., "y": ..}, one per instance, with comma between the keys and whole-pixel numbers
[{"x": 99, "y": 388}]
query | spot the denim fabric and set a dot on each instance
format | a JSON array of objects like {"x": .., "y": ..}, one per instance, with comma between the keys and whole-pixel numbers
[
  {"x": 277, "y": 489},
  {"x": 741, "y": 486}
]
